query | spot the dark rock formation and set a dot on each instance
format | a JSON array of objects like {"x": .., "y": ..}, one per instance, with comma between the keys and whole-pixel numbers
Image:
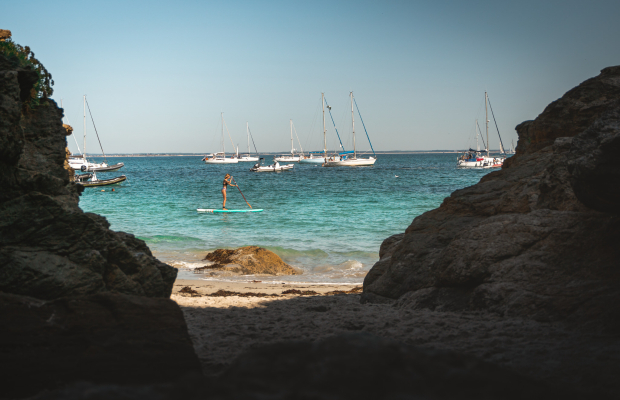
[
  {"x": 537, "y": 239},
  {"x": 101, "y": 338},
  {"x": 65, "y": 276},
  {"x": 249, "y": 260},
  {"x": 48, "y": 246}
]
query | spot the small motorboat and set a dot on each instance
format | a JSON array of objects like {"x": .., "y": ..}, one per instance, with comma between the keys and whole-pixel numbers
[
  {"x": 275, "y": 167},
  {"x": 82, "y": 177},
  {"x": 94, "y": 181}
]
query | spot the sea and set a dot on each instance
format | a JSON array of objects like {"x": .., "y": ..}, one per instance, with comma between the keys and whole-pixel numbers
[{"x": 327, "y": 222}]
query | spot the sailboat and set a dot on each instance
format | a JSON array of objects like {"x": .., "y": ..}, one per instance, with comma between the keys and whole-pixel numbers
[
  {"x": 248, "y": 156},
  {"x": 81, "y": 163},
  {"x": 512, "y": 147},
  {"x": 220, "y": 157},
  {"x": 472, "y": 158},
  {"x": 349, "y": 158},
  {"x": 314, "y": 157},
  {"x": 475, "y": 159},
  {"x": 292, "y": 157}
]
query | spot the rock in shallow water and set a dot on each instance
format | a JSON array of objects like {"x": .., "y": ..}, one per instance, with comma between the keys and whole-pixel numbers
[{"x": 250, "y": 260}]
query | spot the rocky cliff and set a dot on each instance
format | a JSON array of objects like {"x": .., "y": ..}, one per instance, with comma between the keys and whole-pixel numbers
[
  {"x": 77, "y": 300},
  {"x": 49, "y": 247},
  {"x": 537, "y": 239}
]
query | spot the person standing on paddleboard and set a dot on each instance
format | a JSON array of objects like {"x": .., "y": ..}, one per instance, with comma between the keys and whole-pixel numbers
[{"x": 226, "y": 182}]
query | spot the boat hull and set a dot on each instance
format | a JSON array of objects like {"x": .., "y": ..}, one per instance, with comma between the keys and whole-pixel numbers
[
  {"x": 222, "y": 161},
  {"x": 84, "y": 166},
  {"x": 272, "y": 168},
  {"x": 286, "y": 159},
  {"x": 103, "y": 182},
  {"x": 351, "y": 162},
  {"x": 106, "y": 168},
  {"x": 246, "y": 159},
  {"x": 315, "y": 160}
]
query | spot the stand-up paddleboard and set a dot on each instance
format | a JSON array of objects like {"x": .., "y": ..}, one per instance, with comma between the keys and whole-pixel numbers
[{"x": 214, "y": 211}]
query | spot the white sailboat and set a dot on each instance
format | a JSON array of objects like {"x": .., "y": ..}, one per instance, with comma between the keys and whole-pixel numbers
[
  {"x": 349, "y": 158},
  {"x": 476, "y": 159},
  {"x": 293, "y": 157},
  {"x": 81, "y": 163},
  {"x": 248, "y": 156},
  {"x": 220, "y": 157},
  {"x": 314, "y": 157}
]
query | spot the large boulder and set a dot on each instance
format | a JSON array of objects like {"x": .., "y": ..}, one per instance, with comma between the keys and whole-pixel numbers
[{"x": 249, "y": 260}]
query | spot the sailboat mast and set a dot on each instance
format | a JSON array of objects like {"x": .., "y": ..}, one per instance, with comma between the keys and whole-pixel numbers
[
  {"x": 223, "y": 149},
  {"x": 475, "y": 128},
  {"x": 292, "y": 148},
  {"x": 324, "y": 136},
  {"x": 353, "y": 126},
  {"x": 84, "y": 146},
  {"x": 247, "y": 129},
  {"x": 486, "y": 112}
]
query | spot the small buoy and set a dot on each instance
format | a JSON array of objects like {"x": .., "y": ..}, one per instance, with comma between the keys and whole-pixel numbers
[
  {"x": 395, "y": 176},
  {"x": 103, "y": 190}
]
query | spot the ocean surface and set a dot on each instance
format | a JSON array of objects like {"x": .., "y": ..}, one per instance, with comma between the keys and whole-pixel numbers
[{"x": 328, "y": 222}]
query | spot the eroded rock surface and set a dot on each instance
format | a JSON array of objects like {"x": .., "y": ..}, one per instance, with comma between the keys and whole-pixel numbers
[
  {"x": 250, "y": 260},
  {"x": 536, "y": 241},
  {"x": 48, "y": 246},
  {"x": 66, "y": 280}
]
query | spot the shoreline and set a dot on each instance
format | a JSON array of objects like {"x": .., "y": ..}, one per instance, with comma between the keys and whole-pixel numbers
[{"x": 207, "y": 287}]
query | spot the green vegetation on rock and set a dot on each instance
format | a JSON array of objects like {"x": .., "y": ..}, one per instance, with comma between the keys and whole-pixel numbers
[{"x": 23, "y": 57}]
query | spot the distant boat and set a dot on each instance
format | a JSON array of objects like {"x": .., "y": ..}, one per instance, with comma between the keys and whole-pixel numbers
[
  {"x": 81, "y": 163},
  {"x": 476, "y": 158},
  {"x": 275, "y": 167},
  {"x": 314, "y": 157},
  {"x": 349, "y": 158},
  {"x": 248, "y": 156},
  {"x": 220, "y": 157},
  {"x": 91, "y": 180},
  {"x": 512, "y": 147},
  {"x": 293, "y": 157}
]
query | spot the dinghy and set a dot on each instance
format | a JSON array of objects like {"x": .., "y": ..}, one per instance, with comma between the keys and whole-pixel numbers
[
  {"x": 275, "y": 167},
  {"x": 93, "y": 181}
]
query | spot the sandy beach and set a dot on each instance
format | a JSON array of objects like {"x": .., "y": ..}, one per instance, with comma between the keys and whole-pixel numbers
[{"x": 257, "y": 313}]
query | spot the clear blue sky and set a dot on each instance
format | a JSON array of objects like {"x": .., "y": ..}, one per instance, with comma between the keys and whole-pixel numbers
[{"x": 157, "y": 74}]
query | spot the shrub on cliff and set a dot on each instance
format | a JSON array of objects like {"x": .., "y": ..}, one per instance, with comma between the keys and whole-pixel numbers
[{"x": 22, "y": 57}]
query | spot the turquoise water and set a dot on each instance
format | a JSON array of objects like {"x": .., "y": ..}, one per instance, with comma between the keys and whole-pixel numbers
[{"x": 329, "y": 222}]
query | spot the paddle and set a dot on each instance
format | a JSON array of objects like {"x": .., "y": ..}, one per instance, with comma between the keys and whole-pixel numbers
[{"x": 240, "y": 190}]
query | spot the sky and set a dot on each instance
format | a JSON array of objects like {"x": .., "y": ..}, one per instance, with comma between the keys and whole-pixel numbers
[{"x": 159, "y": 74}]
